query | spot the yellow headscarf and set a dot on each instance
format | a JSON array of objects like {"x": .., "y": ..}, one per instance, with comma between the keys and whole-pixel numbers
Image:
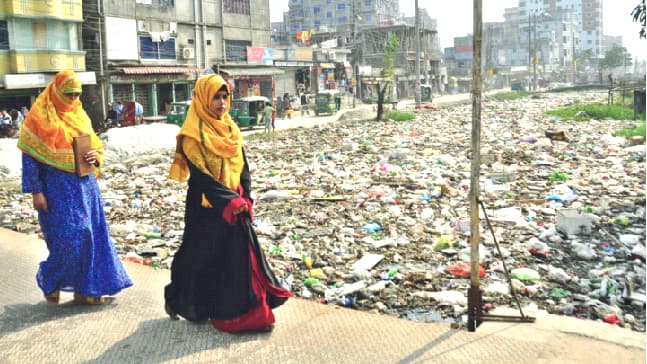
[
  {"x": 212, "y": 145},
  {"x": 54, "y": 120}
]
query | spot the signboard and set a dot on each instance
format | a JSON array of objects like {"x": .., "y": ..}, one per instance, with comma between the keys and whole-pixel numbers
[
  {"x": 255, "y": 55},
  {"x": 121, "y": 39},
  {"x": 25, "y": 81},
  {"x": 303, "y": 54},
  {"x": 260, "y": 55},
  {"x": 39, "y": 80},
  {"x": 268, "y": 60}
]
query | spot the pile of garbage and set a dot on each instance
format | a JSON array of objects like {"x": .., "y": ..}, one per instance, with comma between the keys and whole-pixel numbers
[{"x": 375, "y": 215}]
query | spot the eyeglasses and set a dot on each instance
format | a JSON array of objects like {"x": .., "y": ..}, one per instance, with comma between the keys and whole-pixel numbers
[{"x": 73, "y": 95}]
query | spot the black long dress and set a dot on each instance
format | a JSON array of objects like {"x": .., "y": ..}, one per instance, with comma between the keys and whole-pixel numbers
[{"x": 211, "y": 274}]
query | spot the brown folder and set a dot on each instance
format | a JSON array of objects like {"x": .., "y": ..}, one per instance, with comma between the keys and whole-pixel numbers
[{"x": 81, "y": 145}]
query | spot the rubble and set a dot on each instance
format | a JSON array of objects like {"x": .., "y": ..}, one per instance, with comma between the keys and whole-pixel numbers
[{"x": 375, "y": 215}]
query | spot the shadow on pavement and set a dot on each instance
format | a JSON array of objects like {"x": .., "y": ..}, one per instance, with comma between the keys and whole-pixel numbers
[
  {"x": 161, "y": 340},
  {"x": 21, "y": 316}
]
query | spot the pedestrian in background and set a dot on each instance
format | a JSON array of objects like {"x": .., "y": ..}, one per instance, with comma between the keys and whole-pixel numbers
[
  {"x": 268, "y": 110},
  {"x": 82, "y": 258},
  {"x": 139, "y": 113},
  {"x": 5, "y": 118},
  {"x": 219, "y": 271}
]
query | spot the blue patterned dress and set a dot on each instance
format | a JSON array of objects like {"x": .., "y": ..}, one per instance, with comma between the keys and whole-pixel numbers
[{"x": 82, "y": 257}]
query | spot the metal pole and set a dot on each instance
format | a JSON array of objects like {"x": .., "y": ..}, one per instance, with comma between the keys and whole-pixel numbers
[
  {"x": 573, "y": 62},
  {"x": 529, "y": 51},
  {"x": 355, "y": 67},
  {"x": 474, "y": 294},
  {"x": 534, "y": 52},
  {"x": 417, "y": 29},
  {"x": 102, "y": 74}
]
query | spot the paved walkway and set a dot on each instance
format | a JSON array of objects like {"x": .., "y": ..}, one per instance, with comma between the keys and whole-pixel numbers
[{"x": 133, "y": 328}]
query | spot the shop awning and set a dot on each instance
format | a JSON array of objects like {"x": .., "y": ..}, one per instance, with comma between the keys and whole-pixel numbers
[
  {"x": 327, "y": 65},
  {"x": 157, "y": 70},
  {"x": 251, "y": 71}
]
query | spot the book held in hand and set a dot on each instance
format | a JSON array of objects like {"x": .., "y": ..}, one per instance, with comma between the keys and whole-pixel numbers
[{"x": 80, "y": 146}]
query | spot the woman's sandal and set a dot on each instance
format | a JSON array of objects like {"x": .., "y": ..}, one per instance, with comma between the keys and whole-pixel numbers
[
  {"x": 170, "y": 312},
  {"x": 53, "y": 297},
  {"x": 88, "y": 300}
]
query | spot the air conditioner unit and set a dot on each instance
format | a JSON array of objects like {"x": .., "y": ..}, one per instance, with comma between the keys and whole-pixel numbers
[
  {"x": 188, "y": 53},
  {"x": 141, "y": 26},
  {"x": 332, "y": 56},
  {"x": 172, "y": 27}
]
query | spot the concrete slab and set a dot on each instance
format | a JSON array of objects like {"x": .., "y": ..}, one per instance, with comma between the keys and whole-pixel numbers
[{"x": 133, "y": 328}]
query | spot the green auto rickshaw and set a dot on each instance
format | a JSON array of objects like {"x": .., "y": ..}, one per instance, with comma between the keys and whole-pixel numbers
[
  {"x": 325, "y": 102},
  {"x": 178, "y": 111},
  {"x": 247, "y": 111}
]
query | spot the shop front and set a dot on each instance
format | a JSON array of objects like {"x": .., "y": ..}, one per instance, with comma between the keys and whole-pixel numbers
[
  {"x": 155, "y": 88},
  {"x": 251, "y": 81}
]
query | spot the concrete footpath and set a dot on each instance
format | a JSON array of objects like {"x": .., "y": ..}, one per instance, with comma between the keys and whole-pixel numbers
[{"x": 133, "y": 328}]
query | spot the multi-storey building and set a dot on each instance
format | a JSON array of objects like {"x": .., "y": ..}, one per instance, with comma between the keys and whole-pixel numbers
[
  {"x": 37, "y": 39},
  {"x": 338, "y": 16},
  {"x": 587, "y": 15},
  {"x": 152, "y": 51}
]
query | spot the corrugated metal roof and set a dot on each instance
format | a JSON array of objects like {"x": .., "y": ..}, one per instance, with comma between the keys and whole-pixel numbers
[
  {"x": 251, "y": 71},
  {"x": 156, "y": 70}
]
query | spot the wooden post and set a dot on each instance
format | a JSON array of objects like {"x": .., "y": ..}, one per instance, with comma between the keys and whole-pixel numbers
[{"x": 474, "y": 294}]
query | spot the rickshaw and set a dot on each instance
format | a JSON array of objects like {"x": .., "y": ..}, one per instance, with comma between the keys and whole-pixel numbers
[
  {"x": 178, "y": 112},
  {"x": 325, "y": 102},
  {"x": 247, "y": 111}
]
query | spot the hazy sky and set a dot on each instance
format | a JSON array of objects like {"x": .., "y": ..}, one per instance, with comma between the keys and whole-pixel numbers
[{"x": 455, "y": 18}]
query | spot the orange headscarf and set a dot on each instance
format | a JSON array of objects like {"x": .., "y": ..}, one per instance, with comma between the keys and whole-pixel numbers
[
  {"x": 212, "y": 145},
  {"x": 54, "y": 120}
]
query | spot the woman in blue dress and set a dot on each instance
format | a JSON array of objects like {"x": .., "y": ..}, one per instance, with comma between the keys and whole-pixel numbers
[{"x": 82, "y": 258}]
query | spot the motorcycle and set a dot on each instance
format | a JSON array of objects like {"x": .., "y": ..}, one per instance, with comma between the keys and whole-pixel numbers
[{"x": 8, "y": 131}]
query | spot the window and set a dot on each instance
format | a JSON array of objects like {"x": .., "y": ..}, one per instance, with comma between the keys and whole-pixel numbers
[
  {"x": 236, "y": 6},
  {"x": 368, "y": 19},
  {"x": 329, "y": 15},
  {"x": 316, "y": 10},
  {"x": 341, "y": 6},
  {"x": 341, "y": 20},
  {"x": 329, "y": 2},
  {"x": 367, "y": 3},
  {"x": 317, "y": 24},
  {"x": 157, "y": 50},
  {"x": 236, "y": 50},
  {"x": 4, "y": 35}
]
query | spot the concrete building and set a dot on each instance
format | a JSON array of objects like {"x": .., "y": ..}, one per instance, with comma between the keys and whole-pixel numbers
[
  {"x": 36, "y": 41},
  {"x": 152, "y": 51},
  {"x": 587, "y": 14},
  {"x": 339, "y": 16}
]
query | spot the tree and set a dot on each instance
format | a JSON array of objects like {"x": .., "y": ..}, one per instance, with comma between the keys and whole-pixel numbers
[
  {"x": 639, "y": 17},
  {"x": 616, "y": 57},
  {"x": 583, "y": 58},
  {"x": 388, "y": 71}
]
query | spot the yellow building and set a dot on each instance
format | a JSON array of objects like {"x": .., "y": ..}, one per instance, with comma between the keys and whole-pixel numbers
[{"x": 37, "y": 39}]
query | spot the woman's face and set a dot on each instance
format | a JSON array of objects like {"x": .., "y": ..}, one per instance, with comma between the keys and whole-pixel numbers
[{"x": 218, "y": 105}]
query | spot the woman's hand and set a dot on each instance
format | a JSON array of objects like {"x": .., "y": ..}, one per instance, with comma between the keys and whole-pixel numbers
[
  {"x": 242, "y": 208},
  {"x": 39, "y": 201},
  {"x": 91, "y": 157}
]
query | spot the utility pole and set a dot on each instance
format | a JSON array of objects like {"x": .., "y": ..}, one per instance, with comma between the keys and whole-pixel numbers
[
  {"x": 417, "y": 30},
  {"x": 529, "y": 48},
  {"x": 573, "y": 61},
  {"x": 474, "y": 293},
  {"x": 355, "y": 79},
  {"x": 102, "y": 75},
  {"x": 534, "y": 52}
]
